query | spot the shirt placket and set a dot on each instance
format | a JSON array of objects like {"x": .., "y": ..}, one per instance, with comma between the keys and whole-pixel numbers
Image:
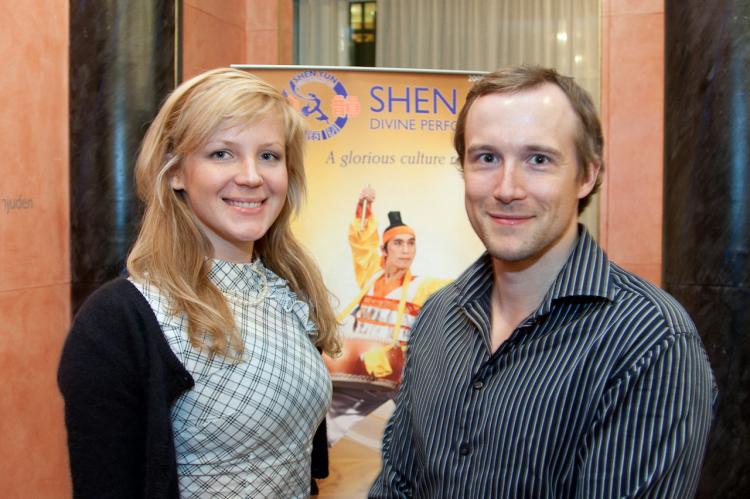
[{"x": 468, "y": 443}]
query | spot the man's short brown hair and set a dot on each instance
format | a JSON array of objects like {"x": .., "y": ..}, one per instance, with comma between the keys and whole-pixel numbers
[{"x": 589, "y": 141}]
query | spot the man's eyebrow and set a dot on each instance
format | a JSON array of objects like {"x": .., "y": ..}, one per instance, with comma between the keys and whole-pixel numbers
[
  {"x": 528, "y": 148},
  {"x": 541, "y": 148},
  {"x": 480, "y": 147}
]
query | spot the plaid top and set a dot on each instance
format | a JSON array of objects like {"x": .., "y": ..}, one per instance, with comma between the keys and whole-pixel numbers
[{"x": 246, "y": 428}]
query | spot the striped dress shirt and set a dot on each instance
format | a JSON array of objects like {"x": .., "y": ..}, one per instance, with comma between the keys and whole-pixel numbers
[{"x": 604, "y": 391}]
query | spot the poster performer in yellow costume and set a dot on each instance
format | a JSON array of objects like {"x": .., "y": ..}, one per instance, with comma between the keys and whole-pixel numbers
[{"x": 377, "y": 322}]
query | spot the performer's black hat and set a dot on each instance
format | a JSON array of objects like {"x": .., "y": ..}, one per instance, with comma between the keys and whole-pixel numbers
[
  {"x": 396, "y": 227},
  {"x": 394, "y": 217}
]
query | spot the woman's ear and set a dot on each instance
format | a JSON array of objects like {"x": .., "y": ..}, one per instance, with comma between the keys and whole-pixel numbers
[{"x": 175, "y": 181}]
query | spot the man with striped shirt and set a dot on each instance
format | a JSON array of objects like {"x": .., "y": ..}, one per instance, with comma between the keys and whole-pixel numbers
[{"x": 545, "y": 370}]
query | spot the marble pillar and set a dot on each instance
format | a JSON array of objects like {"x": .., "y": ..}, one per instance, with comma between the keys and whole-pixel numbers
[
  {"x": 122, "y": 65},
  {"x": 706, "y": 255}
]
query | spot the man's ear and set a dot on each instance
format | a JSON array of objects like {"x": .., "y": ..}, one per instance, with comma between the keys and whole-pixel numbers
[{"x": 588, "y": 179}]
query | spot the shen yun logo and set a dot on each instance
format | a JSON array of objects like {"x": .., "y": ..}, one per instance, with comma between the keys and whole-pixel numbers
[{"x": 324, "y": 102}]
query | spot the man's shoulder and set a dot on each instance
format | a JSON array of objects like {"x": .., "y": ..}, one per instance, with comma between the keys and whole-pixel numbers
[
  {"x": 645, "y": 323},
  {"x": 446, "y": 300},
  {"x": 426, "y": 287},
  {"x": 638, "y": 298},
  {"x": 470, "y": 284}
]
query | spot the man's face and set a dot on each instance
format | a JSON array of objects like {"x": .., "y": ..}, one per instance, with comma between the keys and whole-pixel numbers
[
  {"x": 520, "y": 173},
  {"x": 400, "y": 251}
]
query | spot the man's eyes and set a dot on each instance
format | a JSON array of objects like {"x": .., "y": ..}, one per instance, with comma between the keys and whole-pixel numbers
[
  {"x": 490, "y": 158},
  {"x": 539, "y": 159},
  {"x": 487, "y": 157}
]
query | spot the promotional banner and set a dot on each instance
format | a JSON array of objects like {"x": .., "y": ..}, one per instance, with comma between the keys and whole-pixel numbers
[{"x": 385, "y": 216}]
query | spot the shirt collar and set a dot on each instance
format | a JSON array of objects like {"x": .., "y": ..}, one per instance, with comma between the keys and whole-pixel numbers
[
  {"x": 476, "y": 281},
  {"x": 585, "y": 274}
]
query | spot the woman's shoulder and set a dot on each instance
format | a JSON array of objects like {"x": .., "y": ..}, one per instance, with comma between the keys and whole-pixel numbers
[
  {"x": 116, "y": 305},
  {"x": 107, "y": 336},
  {"x": 116, "y": 326},
  {"x": 116, "y": 296}
]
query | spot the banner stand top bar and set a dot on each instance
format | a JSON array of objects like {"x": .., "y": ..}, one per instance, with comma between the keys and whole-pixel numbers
[{"x": 356, "y": 68}]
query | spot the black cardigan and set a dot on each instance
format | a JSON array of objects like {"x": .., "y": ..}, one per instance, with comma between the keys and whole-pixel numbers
[{"x": 119, "y": 378}]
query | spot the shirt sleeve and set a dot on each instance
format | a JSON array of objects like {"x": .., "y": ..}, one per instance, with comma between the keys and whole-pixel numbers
[
  {"x": 104, "y": 413},
  {"x": 397, "y": 474},
  {"x": 651, "y": 428}
]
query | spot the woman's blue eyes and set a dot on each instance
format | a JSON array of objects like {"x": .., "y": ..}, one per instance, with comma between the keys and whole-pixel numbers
[
  {"x": 224, "y": 155},
  {"x": 220, "y": 155}
]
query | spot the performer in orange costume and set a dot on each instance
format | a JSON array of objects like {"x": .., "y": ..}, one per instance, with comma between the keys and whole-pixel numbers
[{"x": 377, "y": 322}]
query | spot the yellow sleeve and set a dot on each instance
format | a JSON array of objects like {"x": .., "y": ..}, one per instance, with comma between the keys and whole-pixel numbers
[
  {"x": 427, "y": 287},
  {"x": 364, "y": 243}
]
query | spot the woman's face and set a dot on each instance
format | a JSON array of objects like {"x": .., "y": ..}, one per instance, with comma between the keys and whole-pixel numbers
[{"x": 236, "y": 185}]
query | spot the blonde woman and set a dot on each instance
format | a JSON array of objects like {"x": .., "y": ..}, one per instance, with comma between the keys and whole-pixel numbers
[{"x": 199, "y": 375}]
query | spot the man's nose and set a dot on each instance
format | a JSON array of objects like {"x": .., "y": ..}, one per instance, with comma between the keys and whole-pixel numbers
[{"x": 509, "y": 183}]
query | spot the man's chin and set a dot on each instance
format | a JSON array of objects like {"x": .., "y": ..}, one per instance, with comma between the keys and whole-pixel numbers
[
  {"x": 510, "y": 256},
  {"x": 507, "y": 252}
]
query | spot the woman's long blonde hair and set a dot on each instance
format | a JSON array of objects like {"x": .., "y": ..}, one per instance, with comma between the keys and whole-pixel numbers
[{"x": 172, "y": 253}]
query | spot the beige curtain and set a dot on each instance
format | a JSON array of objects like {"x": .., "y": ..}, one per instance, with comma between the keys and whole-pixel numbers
[
  {"x": 486, "y": 34},
  {"x": 323, "y": 33},
  {"x": 482, "y": 35}
]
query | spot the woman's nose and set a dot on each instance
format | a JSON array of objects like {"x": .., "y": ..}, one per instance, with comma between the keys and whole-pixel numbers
[{"x": 248, "y": 174}]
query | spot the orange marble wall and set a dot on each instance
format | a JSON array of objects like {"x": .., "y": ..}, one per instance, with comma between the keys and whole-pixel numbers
[
  {"x": 223, "y": 32},
  {"x": 213, "y": 34},
  {"x": 34, "y": 247},
  {"x": 269, "y": 31},
  {"x": 632, "y": 115}
]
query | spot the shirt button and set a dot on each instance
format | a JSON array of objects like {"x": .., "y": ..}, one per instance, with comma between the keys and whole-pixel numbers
[
  {"x": 478, "y": 384},
  {"x": 464, "y": 449}
]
